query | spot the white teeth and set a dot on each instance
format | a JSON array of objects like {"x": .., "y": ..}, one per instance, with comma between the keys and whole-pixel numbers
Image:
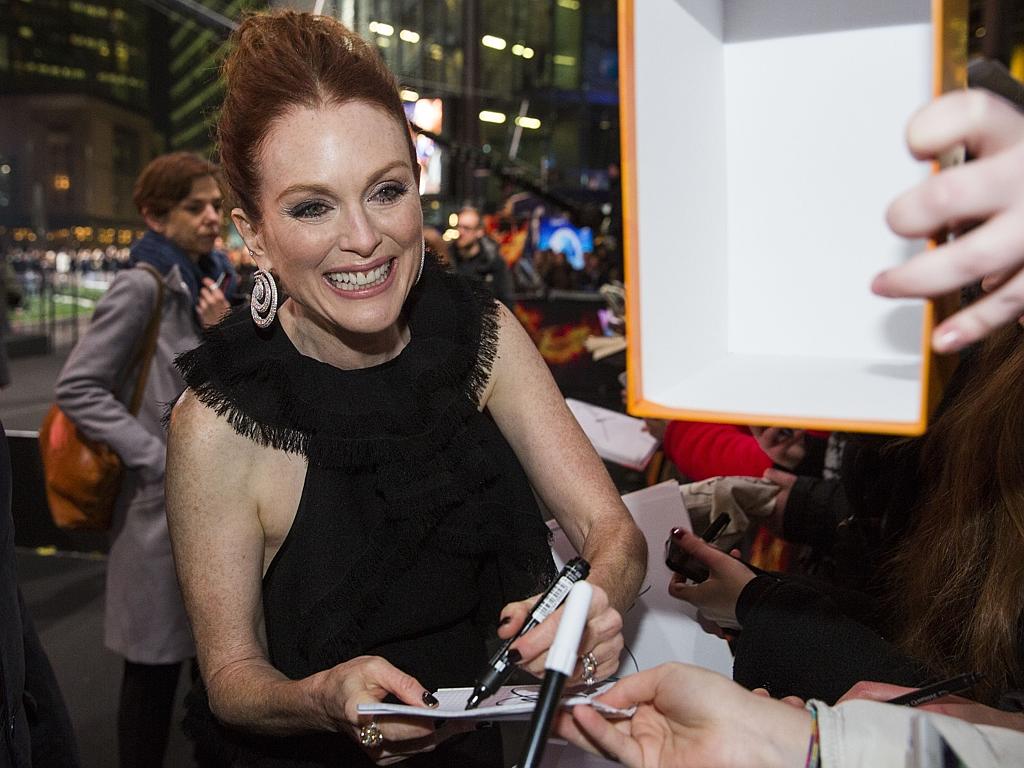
[{"x": 350, "y": 281}]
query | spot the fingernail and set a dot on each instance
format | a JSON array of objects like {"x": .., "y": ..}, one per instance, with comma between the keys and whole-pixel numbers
[
  {"x": 514, "y": 656},
  {"x": 429, "y": 699},
  {"x": 505, "y": 621},
  {"x": 947, "y": 341},
  {"x": 679, "y": 532}
]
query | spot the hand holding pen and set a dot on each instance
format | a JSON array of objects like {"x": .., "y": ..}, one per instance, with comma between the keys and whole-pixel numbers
[
  {"x": 527, "y": 639},
  {"x": 504, "y": 661},
  {"x": 602, "y": 639}
]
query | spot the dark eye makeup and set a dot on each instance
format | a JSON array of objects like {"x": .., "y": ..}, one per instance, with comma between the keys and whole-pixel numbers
[
  {"x": 308, "y": 209},
  {"x": 386, "y": 193}
]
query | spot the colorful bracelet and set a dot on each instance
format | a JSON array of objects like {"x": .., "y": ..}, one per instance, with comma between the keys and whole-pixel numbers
[{"x": 814, "y": 747}]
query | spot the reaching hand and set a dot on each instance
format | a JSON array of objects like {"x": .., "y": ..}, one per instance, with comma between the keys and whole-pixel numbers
[
  {"x": 716, "y": 598},
  {"x": 687, "y": 717},
  {"x": 990, "y": 190}
]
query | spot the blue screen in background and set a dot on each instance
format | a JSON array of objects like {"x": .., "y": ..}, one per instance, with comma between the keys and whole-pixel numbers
[{"x": 558, "y": 235}]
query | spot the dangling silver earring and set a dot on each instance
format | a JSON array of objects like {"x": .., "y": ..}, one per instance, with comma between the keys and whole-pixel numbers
[
  {"x": 263, "y": 303},
  {"x": 423, "y": 258}
]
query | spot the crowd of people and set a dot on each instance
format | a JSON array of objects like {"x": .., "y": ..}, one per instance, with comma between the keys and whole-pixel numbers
[{"x": 345, "y": 504}]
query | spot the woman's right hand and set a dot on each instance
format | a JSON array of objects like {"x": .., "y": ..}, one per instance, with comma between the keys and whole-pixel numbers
[{"x": 369, "y": 679}]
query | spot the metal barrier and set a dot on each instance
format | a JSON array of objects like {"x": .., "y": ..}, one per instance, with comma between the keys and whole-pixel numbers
[{"x": 55, "y": 309}]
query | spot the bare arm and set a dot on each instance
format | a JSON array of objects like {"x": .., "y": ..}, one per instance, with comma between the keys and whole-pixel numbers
[
  {"x": 563, "y": 467},
  {"x": 219, "y": 551}
]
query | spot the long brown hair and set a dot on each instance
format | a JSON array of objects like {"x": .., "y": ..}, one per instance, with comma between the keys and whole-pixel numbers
[
  {"x": 282, "y": 60},
  {"x": 959, "y": 574}
]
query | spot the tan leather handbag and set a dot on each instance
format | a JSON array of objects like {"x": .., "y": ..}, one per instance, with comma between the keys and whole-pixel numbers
[{"x": 83, "y": 476}]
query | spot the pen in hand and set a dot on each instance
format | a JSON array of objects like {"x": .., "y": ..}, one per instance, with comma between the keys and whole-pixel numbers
[
  {"x": 935, "y": 691},
  {"x": 500, "y": 667}
]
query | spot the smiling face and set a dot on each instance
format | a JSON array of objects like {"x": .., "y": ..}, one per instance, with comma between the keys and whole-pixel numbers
[{"x": 341, "y": 225}]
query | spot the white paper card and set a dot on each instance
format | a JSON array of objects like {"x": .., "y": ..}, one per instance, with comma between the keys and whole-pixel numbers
[
  {"x": 615, "y": 436},
  {"x": 658, "y": 628},
  {"x": 511, "y": 702}
]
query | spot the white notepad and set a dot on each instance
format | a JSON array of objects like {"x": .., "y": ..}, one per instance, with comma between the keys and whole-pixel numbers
[
  {"x": 615, "y": 436},
  {"x": 511, "y": 702}
]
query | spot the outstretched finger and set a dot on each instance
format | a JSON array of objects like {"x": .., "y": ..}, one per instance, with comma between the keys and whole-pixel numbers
[
  {"x": 1003, "y": 306},
  {"x": 954, "y": 197},
  {"x": 980, "y": 120},
  {"x": 995, "y": 246}
]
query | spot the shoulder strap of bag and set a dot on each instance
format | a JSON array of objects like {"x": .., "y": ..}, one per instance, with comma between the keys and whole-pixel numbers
[{"x": 144, "y": 358}]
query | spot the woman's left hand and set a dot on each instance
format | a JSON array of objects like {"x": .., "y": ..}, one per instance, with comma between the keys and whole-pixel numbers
[
  {"x": 602, "y": 636},
  {"x": 716, "y": 598}
]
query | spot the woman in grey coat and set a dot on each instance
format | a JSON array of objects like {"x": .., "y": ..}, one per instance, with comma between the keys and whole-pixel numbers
[{"x": 180, "y": 200}]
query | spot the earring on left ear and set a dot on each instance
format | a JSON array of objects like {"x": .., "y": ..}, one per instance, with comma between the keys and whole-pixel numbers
[{"x": 263, "y": 302}]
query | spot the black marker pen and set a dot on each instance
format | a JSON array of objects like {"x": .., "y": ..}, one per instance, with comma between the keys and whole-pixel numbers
[
  {"x": 499, "y": 668},
  {"x": 938, "y": 690}
]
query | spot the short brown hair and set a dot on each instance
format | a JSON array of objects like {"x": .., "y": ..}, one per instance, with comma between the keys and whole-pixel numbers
[
  {"x": 167, "y": 180},
  {"x": 284, "y": 59}
]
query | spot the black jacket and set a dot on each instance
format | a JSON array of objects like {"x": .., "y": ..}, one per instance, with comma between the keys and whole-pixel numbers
[{"x": 816, "y": 637}]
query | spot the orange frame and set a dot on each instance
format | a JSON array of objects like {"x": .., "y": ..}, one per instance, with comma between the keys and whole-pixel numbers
[{"x": 949, "y": 23}]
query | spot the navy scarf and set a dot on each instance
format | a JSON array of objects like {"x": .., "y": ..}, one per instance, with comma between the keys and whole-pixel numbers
[{"x": 153, "y": 248}]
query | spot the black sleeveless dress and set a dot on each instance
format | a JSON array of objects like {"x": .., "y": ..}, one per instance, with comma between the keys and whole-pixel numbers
[{"x": 416, "y": 522}]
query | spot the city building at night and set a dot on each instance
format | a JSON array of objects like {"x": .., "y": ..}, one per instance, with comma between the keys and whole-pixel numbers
[{"x": 76, "y": 127}]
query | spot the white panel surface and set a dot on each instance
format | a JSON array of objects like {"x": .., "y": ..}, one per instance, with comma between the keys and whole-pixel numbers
[
  {"x": 764, "y": 167},
  {"x": 788, "y": 388},
  {"x": 815, "y": 153},
  {"x": 680, "y": 116}
]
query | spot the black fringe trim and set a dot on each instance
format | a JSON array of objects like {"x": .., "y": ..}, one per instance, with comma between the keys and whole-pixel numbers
[{"x": 236, "y": 384}]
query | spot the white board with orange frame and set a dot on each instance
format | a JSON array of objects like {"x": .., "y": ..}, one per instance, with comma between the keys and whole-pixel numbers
[{"x": 762, "y": 142}]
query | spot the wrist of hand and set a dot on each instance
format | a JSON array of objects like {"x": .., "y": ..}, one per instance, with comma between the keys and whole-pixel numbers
[
  {"x": 321, "y": 702},
  {"x": 782, "y": 734}
]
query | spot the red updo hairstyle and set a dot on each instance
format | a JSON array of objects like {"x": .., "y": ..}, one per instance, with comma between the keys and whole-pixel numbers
[{"x": 283, "y": 60}]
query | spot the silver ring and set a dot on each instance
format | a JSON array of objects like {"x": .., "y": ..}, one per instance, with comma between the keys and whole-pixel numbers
[
  {"x": 589, "y": 669},
  {"x": 370, "y": 735}
]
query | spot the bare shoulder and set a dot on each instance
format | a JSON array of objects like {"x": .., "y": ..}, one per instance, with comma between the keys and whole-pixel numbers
[
  {"x": 204, "y": 449},
  {"x": 196, "y": 428},
  {"x": 517, "y": 357},
  {"x": 512, "y": 337}
]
